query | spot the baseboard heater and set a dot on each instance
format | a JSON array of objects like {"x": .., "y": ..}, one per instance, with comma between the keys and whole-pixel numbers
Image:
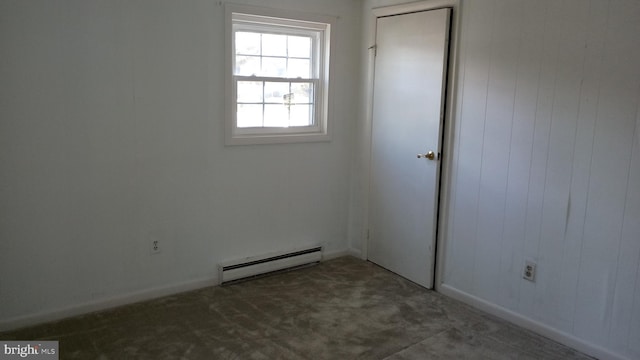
[{"x": 232, "y": 271}]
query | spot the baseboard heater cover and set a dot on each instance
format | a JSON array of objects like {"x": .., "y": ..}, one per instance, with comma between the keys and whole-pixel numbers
[{"x": 259, "y": 265}]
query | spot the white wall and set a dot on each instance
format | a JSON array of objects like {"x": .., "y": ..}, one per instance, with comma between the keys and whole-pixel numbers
[
  {"x": 111, "y": 135},
  {"x": 545, "y": 166}
]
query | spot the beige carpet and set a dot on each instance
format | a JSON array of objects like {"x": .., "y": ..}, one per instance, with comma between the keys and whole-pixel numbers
[{"x": 341, "y": 309}]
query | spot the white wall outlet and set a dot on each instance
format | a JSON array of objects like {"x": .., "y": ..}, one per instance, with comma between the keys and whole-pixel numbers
[
  {"x": 529, "y": 271},
  {"x": 155, "y": 247}
]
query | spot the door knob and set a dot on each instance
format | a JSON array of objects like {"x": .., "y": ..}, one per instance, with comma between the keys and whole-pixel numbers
[{"x": 429, "y": 155}]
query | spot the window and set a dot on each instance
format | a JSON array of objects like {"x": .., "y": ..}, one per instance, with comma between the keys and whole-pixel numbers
[{"x": 277, "y": 76}]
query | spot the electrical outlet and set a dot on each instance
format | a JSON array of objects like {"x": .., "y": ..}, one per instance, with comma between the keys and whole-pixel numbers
[
  {"x": 529, "y": 271},
  {"x": 155, "y": 247}
]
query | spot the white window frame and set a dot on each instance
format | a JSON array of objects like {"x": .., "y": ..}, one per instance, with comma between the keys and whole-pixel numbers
[{"x": 241, "y": 17}]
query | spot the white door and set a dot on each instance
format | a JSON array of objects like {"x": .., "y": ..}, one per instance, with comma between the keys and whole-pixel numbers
[{"x": 408, "y": 110}]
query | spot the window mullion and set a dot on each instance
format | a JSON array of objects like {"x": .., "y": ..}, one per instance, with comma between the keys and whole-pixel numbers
[
  {"x": 263, "y": 103},
  {"x": 261, "y": 58},
  {"x": 289, "y": 107}
]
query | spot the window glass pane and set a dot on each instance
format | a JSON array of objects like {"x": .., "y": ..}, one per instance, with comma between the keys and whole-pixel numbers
[
  {"x": 274, "y": 45},
  {"x": 249, "y": 91},
  {"x": 301, "y": 115},
  {"x": 278, "y": 65},
  {"x": 302, "y": 92},
  {"x": 247, "y": 43},
  {"x": 274, "y": 67},
  {"x": 299, "y": 68},
  {"x": 276, "y": 115},
  {"x": 274, "y": 92},
  {"x": 247, "y": 65},
  {"x": 249, "y": 115},
  {"x": 299, "y": 46}
]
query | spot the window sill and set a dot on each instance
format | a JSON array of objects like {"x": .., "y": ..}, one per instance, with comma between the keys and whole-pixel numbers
[{"x": 256, "y": 139}]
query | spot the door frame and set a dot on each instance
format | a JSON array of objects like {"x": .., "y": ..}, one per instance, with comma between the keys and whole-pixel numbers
[{"x": 450, "y": 109}]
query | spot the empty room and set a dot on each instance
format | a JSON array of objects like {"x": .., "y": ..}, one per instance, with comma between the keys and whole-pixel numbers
[{"x": 320, "y": 179}]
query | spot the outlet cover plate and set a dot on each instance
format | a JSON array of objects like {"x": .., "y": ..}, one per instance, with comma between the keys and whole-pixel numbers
[
  {"x": 529, "y": 270},
  {"x": 155, "y": 247}
]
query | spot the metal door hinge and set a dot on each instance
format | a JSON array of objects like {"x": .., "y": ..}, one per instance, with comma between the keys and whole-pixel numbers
[{"x": 374, "y": 48}]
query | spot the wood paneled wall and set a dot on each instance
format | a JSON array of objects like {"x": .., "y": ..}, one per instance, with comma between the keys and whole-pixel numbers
[{"x": 546, "y": 165}]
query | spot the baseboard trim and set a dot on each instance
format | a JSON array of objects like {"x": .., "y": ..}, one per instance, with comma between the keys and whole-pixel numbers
[
  {"x": 125, "y": 299},
  {"x": 104, "y": 304},
  {"x": 340, "y": 253},
  {"x": 355, "y": 253},
  {"x": 530, "y": 324},
  {"x": 330, "y": 255}
]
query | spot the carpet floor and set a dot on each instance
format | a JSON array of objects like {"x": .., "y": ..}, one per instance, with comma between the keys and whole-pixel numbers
[{"x": 344, "y": 308}]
